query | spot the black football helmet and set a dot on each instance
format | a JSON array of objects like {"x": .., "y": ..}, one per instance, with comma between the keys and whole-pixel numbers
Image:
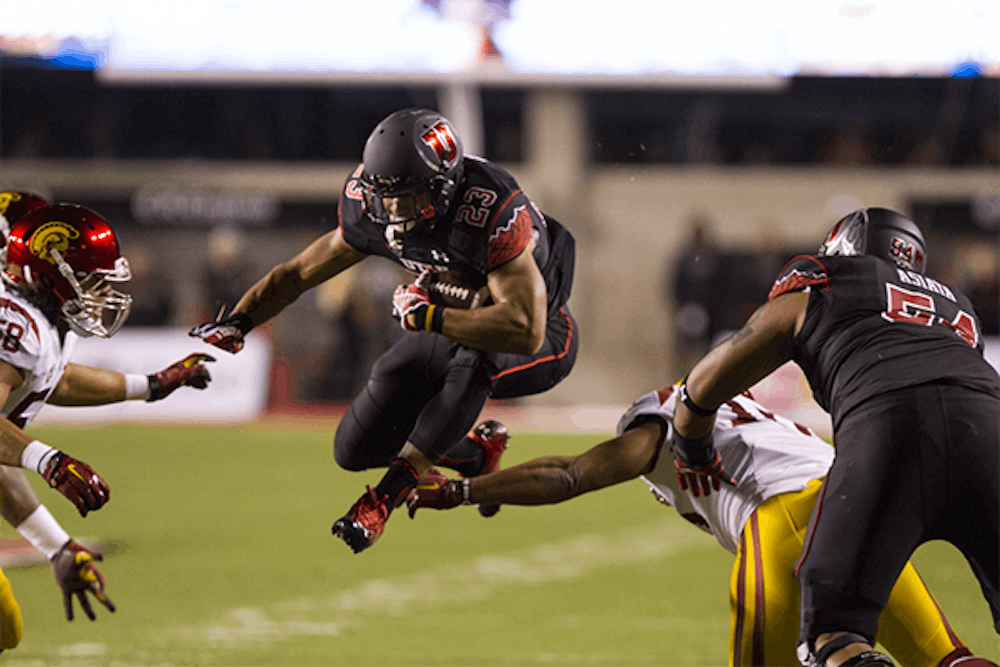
[
  {"x": 412, "y": 165},
  {"x": 879, "y": 232}
]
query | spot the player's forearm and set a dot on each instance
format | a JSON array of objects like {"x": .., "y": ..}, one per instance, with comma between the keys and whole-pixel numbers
[
  {"x": 17, "y": 498},
  {"x": 87, "y": 385},
  {"x": 271, "y": 294},
  {"x": 542, "y": 481},
  {"x": 501, "y": 327}
]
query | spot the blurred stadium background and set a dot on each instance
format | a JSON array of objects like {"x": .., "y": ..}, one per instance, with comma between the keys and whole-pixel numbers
[{"x": 215, "y": 137}]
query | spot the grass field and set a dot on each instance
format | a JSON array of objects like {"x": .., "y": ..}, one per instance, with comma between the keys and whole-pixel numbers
[{"x": 220, "y": 552}]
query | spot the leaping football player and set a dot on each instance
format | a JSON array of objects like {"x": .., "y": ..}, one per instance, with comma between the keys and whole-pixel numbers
[
  {"x": 448, "y": 218},
  {"x": 63, "y": 266},
  {"x": 780, "y": 468}
]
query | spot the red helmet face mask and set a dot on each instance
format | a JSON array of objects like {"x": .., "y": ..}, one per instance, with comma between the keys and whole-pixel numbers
[
  {"x": 71, "y": 254},
  {"x": 14, "y": 206}
]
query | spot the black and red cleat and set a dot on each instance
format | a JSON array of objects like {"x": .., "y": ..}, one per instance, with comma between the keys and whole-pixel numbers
[
  {"x": 492, "y": 436},
  {"x": 364, "y": 522}
]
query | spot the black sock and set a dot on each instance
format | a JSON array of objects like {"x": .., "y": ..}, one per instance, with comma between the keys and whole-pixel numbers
[
  {"x": 397, "y": 482},
  {"x": 467, "y": 457}
]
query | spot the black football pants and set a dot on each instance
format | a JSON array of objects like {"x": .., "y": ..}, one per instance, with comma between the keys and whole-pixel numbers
[
  {"x": 429, "y": 390},
  {"x": 912, "y": 465}
]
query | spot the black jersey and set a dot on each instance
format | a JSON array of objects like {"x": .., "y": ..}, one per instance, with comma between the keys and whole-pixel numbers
[
  {"x": 871, "y": 327},
  {"x": 490, "y": 222}
]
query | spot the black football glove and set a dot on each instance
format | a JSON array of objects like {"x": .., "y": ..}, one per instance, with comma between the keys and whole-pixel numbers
[
  {"x": 189, "y": 371},
  {"x": 76, "y": 575},
  {"x": 699, "y": 465},
  {"x": 78, "y": 482},
  {"x": 225, "y": 334}
]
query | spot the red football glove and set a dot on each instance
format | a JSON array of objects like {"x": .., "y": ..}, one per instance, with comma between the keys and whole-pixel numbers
[
  {"x": 699, "y": 465},
  {"x": 410, "y": 299},
  {"x": 78, "y": 482},
  {"x": 76, "y": 575},
  {"x": 225, "y": 334},
  {"x": 436, "y": 491},
  {"x": 188, "y": 371}
]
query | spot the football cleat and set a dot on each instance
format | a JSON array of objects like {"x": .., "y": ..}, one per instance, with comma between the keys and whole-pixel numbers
[
  {"x": 364, "y": 522},
  {"x": 492, "y": 436}
]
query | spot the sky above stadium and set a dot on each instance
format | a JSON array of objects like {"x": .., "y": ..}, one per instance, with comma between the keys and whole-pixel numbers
[{"x": 534, "y": 38}]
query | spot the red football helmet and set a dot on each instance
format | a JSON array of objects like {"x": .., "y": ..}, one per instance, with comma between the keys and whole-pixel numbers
[
  {"x": 71, "y": 254},
  {"x": 14, "y": 206}
]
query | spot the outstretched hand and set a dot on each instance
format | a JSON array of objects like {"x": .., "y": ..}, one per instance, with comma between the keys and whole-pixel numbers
[
  {"x": 436, "y": 491},
  {"x": 76, "y": 575},
  {"x": 225, "y": 334},
  {"x": 189, "y": 371}
]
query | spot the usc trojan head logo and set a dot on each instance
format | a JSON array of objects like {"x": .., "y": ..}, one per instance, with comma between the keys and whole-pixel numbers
[
  {"x": 442, "y": 141},
  {"x": 54, "y": 234},
  {"x": 6, "y": 199}
]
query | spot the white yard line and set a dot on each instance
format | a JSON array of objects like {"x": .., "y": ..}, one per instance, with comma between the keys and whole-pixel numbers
[
  {"x": 335, "y": 614},
  {"x": 338, "y": 614}
]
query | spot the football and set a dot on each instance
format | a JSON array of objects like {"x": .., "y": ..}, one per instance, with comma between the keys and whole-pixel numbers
[{"x": 447, "y": 289}]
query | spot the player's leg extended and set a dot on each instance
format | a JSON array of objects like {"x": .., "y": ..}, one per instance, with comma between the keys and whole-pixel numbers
[
  {"x": 10, "y": 616},
  {"x": 912, "y": 627},
  {"x": 449, "y": 392},
  {"x": 860, "y": 535},
  {"x": 379, "y": 420},
  {"x": 973, "y": 520},
  {"x": 764, "y": 595}
]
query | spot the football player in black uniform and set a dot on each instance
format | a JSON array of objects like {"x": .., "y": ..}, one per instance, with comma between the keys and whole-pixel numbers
[
  {"x": 896, "y": 358},
  {"x": 453, "y": 220}
]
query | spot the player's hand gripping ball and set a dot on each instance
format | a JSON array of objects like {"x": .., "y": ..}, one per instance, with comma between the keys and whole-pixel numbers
[
  {"x": 76, "y": 575},
  {"x": 412, "y": 299}
]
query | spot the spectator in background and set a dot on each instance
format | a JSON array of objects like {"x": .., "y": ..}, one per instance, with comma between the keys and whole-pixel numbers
[
  {"x": 359, "y": 330},
  {"x": 152, "y": 302},
  {"x": 848, "y": 147},
  {"x": 981, "y": 282},
  {"x": 689, "y": 288},
  {"x": 227, "y": 274}
]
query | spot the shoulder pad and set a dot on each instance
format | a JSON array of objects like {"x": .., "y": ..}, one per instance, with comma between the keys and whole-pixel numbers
[{"x": 801, "y": 272}]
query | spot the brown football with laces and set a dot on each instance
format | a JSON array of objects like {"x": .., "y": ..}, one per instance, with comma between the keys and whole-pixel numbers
[{"x": 448, "y": 289}]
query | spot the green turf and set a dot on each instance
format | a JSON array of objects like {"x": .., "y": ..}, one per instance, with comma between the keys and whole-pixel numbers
[{"x": 224, "y": 556}]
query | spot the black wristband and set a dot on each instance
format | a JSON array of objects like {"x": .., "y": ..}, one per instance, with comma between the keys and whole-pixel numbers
[
  {"x": 693, "y": 451},
  {"x": 437, "y": 318},
  {"x": 243, "y": 321},
  {"x": 154, "y": 388},
  {"x": 691, "y": 405}
]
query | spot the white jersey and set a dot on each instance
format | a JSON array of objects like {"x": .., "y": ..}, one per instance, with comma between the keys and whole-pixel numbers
[
  {"x": 30, "y": 343},
  {"x": 767, "y": 453}
]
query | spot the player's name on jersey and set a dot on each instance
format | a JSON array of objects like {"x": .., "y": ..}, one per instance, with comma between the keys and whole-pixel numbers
[{"x": 914, "y": 278}]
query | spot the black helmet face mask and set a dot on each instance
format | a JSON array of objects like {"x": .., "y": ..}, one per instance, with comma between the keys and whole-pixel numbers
[{"x": 412, "y": 165}]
